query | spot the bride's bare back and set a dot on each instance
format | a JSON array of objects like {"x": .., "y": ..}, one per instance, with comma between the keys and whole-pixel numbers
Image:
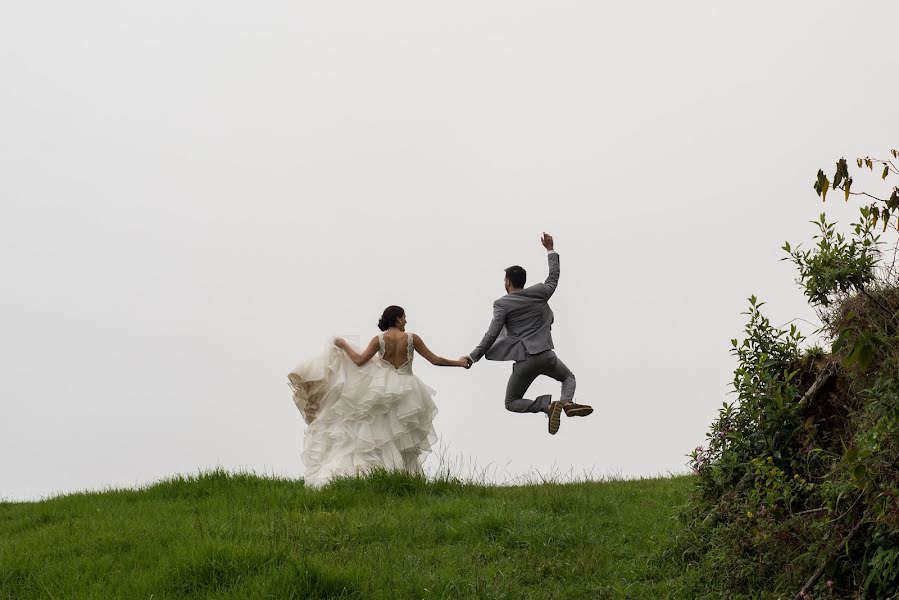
[{"x": 396, "y": 344}]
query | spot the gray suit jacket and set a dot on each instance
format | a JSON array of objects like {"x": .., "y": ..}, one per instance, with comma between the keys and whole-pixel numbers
[{"x": 522, "y": 321}]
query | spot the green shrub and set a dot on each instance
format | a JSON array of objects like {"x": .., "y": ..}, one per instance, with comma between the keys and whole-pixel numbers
[{"x": 797, "y": 488}]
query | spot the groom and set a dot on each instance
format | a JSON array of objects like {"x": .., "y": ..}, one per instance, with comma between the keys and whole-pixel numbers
[{"x": 521, "y": 331}]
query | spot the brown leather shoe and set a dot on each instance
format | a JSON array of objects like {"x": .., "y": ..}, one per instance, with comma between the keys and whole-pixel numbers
[
  {"x": 576, "y": 410},
  {"x": 555, "y": 416}
]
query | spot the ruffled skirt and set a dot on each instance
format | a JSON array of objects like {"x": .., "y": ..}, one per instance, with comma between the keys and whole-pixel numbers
[{"x": 360, "y": 418}]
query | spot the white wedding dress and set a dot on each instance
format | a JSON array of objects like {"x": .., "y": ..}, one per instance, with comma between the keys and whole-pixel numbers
[{"x": 361, "y": 418}]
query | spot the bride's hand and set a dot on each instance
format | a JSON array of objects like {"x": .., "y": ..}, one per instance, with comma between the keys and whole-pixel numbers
[{"x": 340, "y": 343}]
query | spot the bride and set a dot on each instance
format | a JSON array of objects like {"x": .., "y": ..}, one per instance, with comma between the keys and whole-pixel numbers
[{"x": 364, "y": 414}]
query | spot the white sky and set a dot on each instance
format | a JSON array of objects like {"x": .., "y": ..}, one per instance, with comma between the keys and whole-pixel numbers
[{"x": 195, "y": 195}]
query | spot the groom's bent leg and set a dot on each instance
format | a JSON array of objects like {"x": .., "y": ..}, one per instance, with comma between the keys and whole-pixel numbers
[
  {"x": 524, "y": 372},
  {"x": 558, "y": 371}
]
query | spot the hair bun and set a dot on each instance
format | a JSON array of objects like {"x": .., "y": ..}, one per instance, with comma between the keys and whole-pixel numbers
[{"x": 390, "y": 317}]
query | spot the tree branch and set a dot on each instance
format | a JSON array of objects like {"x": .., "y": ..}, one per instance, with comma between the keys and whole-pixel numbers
[
  {"x": 810, "y": 511},
  {"x": 820, "y": 570},
  {"x": 823, "y": 378},
  {"x": 842, "y": 187}
]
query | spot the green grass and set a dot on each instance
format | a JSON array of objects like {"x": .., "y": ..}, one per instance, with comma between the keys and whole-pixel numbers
[{"x": 385, "y": 536}]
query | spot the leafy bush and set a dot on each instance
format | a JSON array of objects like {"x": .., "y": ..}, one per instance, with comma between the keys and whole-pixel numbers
[{"x": 797, "y": 488}]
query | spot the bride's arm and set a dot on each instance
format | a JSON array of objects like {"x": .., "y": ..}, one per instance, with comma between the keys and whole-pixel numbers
[
  {"x": 433, "y": 358},
  {"x": 359, "y": 359}
]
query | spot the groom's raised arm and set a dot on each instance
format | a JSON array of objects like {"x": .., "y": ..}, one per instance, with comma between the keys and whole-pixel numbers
[
  {"x": 496, "y": 326},
  {"x": 552, "y": 281}
]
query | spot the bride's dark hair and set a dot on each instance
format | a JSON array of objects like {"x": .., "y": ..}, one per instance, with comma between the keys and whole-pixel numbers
[{"x": 388, "y": 319}]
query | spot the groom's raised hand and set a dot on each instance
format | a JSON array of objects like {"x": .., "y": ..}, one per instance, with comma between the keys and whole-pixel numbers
[
  {"x": 467, "y": 360},
  {"x": 547, "y": 241}
]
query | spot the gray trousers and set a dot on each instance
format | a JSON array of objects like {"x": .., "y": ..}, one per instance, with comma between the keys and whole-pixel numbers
[{"x": 524, "y": 372}]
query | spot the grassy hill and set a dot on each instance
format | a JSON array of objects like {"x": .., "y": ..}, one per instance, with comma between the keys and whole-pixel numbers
[{"x": 385, "y": 536}]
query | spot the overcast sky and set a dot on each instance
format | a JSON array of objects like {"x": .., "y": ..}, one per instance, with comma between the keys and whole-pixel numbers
[{"x": 195, "y": 195}]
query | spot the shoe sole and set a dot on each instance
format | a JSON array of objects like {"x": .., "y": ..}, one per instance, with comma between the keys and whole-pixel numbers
[
  {"x": 579, "y": 412},
  {"x": 555, "y": 417}
]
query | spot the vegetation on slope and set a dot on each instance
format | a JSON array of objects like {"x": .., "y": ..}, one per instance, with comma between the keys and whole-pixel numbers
[{"x": 798, "y": 486}]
